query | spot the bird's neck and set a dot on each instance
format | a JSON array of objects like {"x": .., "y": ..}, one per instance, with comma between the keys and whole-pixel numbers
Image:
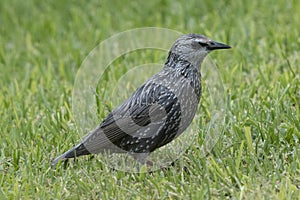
[
  {"x": 186, "y": 69},
  {"x": 175, "y": 61}
]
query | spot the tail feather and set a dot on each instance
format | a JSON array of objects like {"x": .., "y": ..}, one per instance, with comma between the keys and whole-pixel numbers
[{"x": 77, "y": 151}]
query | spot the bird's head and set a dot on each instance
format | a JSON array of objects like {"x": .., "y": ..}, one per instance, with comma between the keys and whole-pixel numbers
[{"x": 194, "y": 47}]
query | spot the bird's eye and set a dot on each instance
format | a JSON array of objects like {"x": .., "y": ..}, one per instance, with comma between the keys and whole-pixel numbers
[{"x": 203, "y": 44}]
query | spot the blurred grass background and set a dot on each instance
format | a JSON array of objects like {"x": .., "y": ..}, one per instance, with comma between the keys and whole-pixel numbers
[{"x": 42, "y": 44}]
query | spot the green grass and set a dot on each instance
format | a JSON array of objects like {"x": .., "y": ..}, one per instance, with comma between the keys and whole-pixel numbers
[{"x": 42, "y": 45}]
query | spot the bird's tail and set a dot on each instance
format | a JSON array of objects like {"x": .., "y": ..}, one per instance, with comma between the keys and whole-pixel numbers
[{"x": 78, "y": 150}]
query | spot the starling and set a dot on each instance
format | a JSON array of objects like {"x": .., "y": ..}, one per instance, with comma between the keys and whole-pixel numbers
[{"x": 157, "y": 112}]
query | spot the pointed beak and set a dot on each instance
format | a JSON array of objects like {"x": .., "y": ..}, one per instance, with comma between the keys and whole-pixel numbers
[{"x": 216, "y": 45}]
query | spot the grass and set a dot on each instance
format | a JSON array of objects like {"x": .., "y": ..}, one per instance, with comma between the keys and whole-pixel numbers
[{"x": 42, "y": 45}]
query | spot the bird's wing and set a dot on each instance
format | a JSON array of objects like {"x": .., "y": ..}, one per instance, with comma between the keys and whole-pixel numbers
[{"x": 145, "y": 106}]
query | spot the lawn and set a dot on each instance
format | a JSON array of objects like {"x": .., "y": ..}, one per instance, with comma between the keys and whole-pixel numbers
[{"x": 257, "y": 154}]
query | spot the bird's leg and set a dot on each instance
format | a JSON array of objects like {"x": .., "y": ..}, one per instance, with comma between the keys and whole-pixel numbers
[
  {"x": 142, "y": 159},
  {"x": 149, "y": 163}
]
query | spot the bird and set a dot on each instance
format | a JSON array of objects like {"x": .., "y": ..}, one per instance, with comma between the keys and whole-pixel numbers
[{"x": 158, "y": 111}]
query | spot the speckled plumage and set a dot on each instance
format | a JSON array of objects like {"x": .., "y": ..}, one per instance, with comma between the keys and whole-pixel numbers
[{"x": 160, "y": 110}]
